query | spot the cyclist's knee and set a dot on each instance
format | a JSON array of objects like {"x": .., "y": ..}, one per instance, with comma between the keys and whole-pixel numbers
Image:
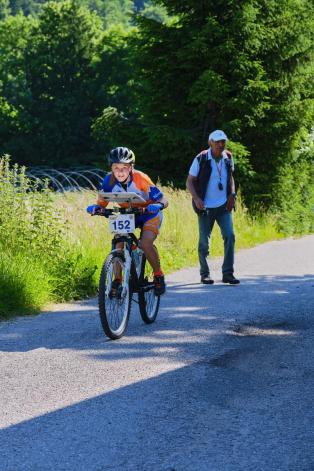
[{"x": 119, "y": 245}]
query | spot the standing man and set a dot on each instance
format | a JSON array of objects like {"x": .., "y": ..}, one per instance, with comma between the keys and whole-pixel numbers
[{"x": 211, "y": 185}]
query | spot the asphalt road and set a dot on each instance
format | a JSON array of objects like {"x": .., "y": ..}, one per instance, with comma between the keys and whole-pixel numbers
[{"x": 223, "y": 381}]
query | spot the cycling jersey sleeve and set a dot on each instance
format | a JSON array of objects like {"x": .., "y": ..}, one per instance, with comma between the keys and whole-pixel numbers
[
  {"x": 105, "y": 185},
  {"x": 147, "y": 188},
  {"x": 154, "y": 193}
]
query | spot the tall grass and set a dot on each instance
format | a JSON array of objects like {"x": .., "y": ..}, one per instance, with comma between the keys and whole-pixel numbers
[
  {"x": 38, "y": 263},
  {"x": 178, "y": 238},
  {"x": 52, "y": 250}
]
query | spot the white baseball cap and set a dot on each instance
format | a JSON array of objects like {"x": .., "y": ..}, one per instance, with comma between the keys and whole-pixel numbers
[{"x": 217, "y": 135}]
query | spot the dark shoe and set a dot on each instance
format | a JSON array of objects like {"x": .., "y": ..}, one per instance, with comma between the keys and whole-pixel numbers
[
  {"x": 160, "y": 286},
  {"x": 207, "y": 280},
  {"x": 230, "y": 279},
  {"x": 116, "y": 289}
]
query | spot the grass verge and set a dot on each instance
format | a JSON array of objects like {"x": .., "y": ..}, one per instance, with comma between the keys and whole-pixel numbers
[{"x": 51, "y": 250}]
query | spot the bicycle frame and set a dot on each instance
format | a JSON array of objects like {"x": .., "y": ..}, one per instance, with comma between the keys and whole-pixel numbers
[
  {"x": 123, "y": 274},
  {"x": 130, "y": 268}
]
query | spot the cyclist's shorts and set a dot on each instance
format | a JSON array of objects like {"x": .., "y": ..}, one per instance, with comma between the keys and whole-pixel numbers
[{"x": 148, "y": 223}]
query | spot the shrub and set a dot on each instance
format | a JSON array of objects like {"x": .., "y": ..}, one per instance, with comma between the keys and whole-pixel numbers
[{"x": 38, "y": 262}]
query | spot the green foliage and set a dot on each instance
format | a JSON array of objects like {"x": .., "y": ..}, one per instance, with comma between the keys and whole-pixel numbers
[
  {"x": 14, "y": 91},
  {"x": 57, "y": 74},
  {"x": 37, "y": 262},
  {"x": 4, "y": 9},
  {"x": 112, "y": 11},
  {"x": 111, "y": 69},
  {"x": 243, "y": 67},
  {"x": 63, "y": 260},
  {"x": 75, "y": 83},
  {"x": 27, "y": 217},
  {"x": 47, "y": 84},
  {"x": 117, "y": 12},
  {"x": 155, "y": 12},
  {"x": 24, "y": 285},
  {"x": 58, "y": 68},
  {"x": 296, "y": 214}
]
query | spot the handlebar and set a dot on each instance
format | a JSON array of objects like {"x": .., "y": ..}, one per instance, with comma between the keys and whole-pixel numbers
[{"x": 107, "y": 212}]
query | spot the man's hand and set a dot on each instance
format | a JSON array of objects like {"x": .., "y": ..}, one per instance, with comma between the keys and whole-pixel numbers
[
  {"x": 199, "y": 203},
  {"x": 231, "y": 202},
  {"x": 191, "y": 183}
]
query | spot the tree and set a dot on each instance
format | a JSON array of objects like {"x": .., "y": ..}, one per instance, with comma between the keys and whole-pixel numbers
[
  {"x": 59, "y": 72},
  {"x": 155, "y": 12},
  {"x": 240, "y": 65},
  {"x": 15, "y": 96},
  {"x": 114, "y": 90},
  {"x": 4, "y": 9},
  {"x": 113, "y": 12}
]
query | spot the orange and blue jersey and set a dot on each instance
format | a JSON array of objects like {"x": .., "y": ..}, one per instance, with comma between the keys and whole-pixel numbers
[{"x": 139, "y": 183}]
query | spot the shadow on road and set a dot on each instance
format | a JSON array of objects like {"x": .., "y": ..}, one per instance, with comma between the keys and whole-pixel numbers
[
  {"x": 230, "y": 412},
  {"x": 236, "y": 410},
  {"x": 188, "y": 313}
]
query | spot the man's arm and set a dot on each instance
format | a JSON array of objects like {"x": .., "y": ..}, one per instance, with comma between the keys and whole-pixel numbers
[
  {"x": 232, "y": 184},
  {"x": 231, "y": 197},
  {"x": 190, "y": 184}
]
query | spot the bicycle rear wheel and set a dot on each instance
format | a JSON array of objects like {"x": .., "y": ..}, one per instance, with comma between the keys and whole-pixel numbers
[
  {"x": 147, "y": 300},
  {"x": 114, "y": 297}
]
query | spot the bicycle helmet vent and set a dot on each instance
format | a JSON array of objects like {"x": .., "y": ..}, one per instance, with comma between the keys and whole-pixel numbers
[{"x": 121, "y": 155}]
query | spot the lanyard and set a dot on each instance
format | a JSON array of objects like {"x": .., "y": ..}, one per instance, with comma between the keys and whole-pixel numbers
[{"x": 219, "y": 169}]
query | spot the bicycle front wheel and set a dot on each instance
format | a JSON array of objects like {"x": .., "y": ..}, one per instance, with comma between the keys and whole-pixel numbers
[
  {"x": 147, "y": 300},
  {"x": 114, "y": 297}
]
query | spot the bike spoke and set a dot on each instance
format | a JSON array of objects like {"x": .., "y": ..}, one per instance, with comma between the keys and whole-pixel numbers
[{"x": 114, "y": 296}]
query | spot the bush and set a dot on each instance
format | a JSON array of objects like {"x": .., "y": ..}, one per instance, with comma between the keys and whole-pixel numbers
[
  {"x": 24, "y": 285},
  {"x": 37, "y": 261},
  {"x": 295, "y": 193}
]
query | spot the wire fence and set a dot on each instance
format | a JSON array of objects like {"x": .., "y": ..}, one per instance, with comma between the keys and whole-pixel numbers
[{"x": 62, "y": 180}]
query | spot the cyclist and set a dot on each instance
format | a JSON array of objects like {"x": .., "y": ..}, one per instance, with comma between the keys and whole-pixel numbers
[{"x": 123, "y": 178}]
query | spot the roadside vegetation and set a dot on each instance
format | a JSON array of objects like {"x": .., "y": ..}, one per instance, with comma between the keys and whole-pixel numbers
[
  {"x": 51, "y": 250},
  {"x": 79, "y": 77}
]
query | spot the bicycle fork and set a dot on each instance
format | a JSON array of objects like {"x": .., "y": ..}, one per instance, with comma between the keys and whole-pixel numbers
[
  {"x": 128, "y": 262},
  {"x": 127, "y": 271}
]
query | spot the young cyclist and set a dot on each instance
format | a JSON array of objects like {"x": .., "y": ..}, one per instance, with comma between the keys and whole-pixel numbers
[{"x": 124, "y": 178}]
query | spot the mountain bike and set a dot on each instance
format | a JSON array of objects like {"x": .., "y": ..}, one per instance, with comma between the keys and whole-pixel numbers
[{"x": 125, "y": 272}]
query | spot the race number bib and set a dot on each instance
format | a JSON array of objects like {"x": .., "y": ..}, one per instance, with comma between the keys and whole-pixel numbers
[{"x": 122, "y": 223}]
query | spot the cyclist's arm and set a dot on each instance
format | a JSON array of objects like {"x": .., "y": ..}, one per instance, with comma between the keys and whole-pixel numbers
[
  {"x": 163, "y": 201},
  {"x": 106, "y": 187},
  {"x": 156, "y": 195},
  {"x": 102, "y": 202}
]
